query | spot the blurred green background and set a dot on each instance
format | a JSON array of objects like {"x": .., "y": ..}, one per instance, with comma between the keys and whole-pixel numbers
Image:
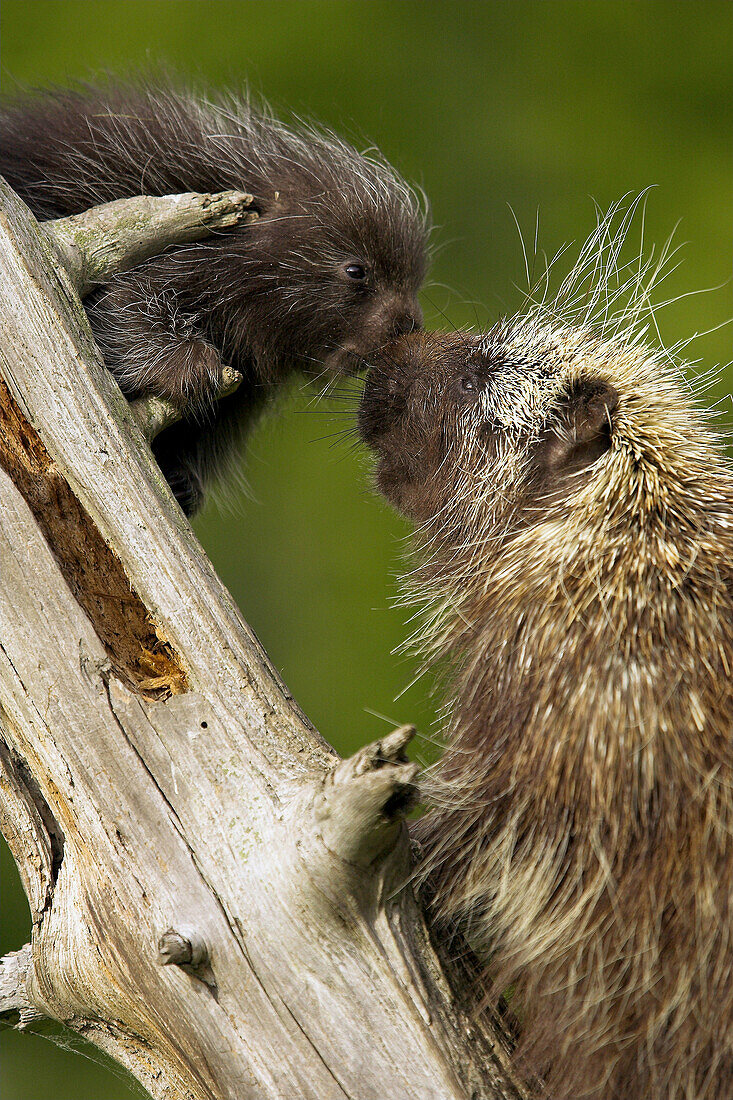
[{"x": 534, "y": 104}]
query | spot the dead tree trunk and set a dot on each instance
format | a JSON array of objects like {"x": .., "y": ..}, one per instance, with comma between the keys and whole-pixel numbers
[{"x": 165, "y": 799}]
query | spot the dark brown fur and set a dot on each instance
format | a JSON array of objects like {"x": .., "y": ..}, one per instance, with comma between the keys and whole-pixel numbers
[
  {"x": 269, "y": 299},
  {"x": 575, "y": 550}
]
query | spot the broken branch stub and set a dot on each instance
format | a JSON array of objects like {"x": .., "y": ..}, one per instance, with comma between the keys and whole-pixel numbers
[{"x": 360, "y": 804}]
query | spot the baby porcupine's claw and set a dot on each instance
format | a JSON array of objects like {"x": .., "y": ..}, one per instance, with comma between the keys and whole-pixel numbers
[{"x": 154, "y": 414}]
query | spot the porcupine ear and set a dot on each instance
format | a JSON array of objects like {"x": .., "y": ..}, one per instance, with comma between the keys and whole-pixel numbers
[
  {"x": 581, "y": 431},
  {"x": 578, "y": 433}
]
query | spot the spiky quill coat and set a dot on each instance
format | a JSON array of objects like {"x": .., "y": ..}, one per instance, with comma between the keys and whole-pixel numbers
[{"x": 575, "y": 563}]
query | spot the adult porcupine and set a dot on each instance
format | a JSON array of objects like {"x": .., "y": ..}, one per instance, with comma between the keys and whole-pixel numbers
[
  {"x": 329, "y": 271},
  {"x": 576, "y": 564}
]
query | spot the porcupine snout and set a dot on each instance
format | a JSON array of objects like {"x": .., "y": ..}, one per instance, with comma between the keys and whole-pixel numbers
[
  {"x": 397, "y": 385},
  {"x": 382, "y": 405},
  {"x": 406, "y": 318}
]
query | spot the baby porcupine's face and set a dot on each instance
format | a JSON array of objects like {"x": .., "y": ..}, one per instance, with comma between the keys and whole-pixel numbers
[
  {"x": 469, "y": 429},
  {"x": 342, "y": 268}
]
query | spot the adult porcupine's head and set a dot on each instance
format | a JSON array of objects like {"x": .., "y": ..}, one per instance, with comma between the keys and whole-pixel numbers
[{"x": 561, "y": 436}]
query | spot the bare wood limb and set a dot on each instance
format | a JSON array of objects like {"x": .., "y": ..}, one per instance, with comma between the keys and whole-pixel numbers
[
  {"x": 30, "y": 840},
  {"x": 164, "y": 791},
  {"x": 361, "y": 803},
  {"x": 14, "y": 1001},
  {"x": 117, "y": 236}
]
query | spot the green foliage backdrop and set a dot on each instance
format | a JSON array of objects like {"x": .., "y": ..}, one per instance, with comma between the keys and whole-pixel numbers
[{"x": 529, "y": 103}]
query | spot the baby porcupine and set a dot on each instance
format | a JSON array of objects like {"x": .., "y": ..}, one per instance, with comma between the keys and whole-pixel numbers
[
  {"x": 328, "y": 273},
  {"x": 575, "y": 563}
]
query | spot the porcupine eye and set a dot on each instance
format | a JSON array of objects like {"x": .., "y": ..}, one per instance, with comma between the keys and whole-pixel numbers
[
  {"x": 469, "y": 388},
  {"x": 355, "y": 271}
]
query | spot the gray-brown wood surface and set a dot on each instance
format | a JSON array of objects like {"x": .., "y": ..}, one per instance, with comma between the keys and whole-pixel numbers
[{"x": 217, "y": 900}]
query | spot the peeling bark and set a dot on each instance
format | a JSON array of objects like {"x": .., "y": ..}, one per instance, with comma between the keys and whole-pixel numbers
[{"x": 217, "y": 901}]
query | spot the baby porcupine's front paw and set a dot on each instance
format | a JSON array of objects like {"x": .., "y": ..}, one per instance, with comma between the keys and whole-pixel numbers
[
  {"x": 189, "y": 376},
  {"x": 153, "y": 347}
]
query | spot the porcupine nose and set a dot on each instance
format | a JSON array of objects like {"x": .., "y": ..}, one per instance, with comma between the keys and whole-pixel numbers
[{"x": 405, "y": 322}]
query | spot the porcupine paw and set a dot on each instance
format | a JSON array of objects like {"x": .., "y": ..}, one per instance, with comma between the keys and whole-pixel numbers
[{"x": 190, "y": 377}]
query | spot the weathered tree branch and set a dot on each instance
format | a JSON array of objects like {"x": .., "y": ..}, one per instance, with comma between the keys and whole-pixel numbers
[
  {"x": 217, "y": 901},
  {"x": 14, "y": 1002},
  {"x": 119, "y": 235}
]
